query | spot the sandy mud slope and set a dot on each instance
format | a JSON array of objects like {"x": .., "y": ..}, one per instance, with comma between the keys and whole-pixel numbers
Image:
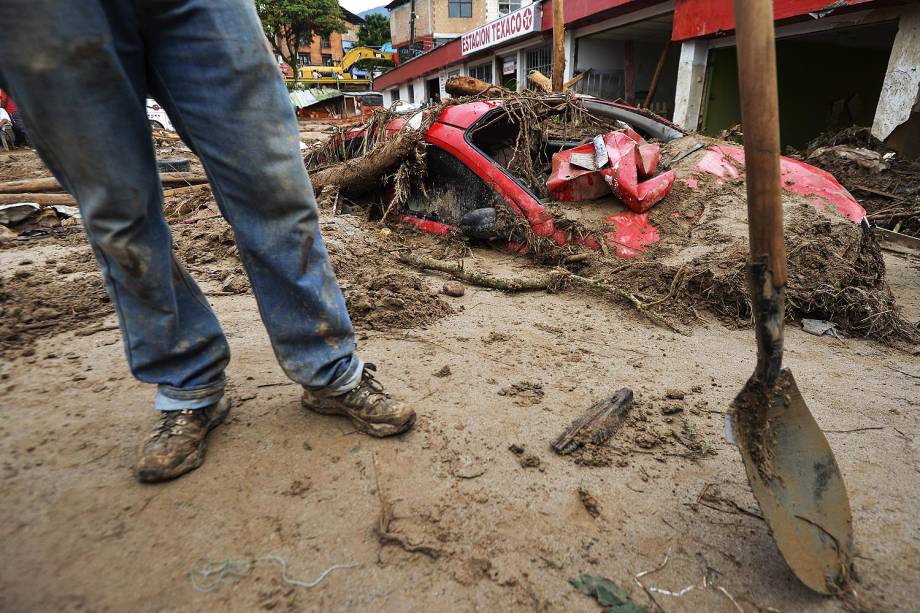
[{"x": 481, "y": 514}]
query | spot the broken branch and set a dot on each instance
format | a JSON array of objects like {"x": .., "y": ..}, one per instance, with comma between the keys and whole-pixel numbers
[
  {"x": 540, "y": 81},
  {"x": 16, "y": 198},
  {"x": 482, "y": 279},
  {"x": 471, "y": 86},
  {"x": 550, "y": 282},
  {"x": 50, "y": 184},
  {"x": 362, "y": 174}
]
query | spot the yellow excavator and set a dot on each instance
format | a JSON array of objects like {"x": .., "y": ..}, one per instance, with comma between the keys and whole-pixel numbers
[{"x": 338, "y": 75}]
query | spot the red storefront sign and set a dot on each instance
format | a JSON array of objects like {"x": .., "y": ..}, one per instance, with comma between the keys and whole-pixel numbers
[{"x": 523, "y": 21}]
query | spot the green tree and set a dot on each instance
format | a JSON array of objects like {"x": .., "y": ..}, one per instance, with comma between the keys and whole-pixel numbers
[
  {"x": 290, "y": 23},
  {"x": 375, "y": 31}
]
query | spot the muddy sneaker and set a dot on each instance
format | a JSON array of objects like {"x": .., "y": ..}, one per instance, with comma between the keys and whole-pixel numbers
[
  {"x": 368, "y": 406},
  {"x": 176, "y": 445}
]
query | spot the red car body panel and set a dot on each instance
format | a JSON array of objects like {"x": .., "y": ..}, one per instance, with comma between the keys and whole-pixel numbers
[{"x": 727, "y": 163}]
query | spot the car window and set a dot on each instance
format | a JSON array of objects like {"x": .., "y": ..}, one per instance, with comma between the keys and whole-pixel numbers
[{"x": 453, "y": 190}]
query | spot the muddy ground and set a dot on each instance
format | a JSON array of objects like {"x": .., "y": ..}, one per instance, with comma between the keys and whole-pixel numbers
[{"x": 496, "y": 518}]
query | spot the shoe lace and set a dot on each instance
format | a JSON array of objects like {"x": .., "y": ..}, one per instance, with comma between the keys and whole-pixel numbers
[
  {"x": 369, "y": 392},
  {"x": 173, "y": 422}
]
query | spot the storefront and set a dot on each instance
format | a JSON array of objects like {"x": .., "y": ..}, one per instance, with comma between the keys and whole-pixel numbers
[{"x": 853, "y": 61}]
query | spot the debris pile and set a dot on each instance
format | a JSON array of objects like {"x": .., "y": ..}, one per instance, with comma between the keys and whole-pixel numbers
[
  {"x": 593, "y": 180},
  {"x": 29, "y": 219},
  {"x": 887, "y": 185}
]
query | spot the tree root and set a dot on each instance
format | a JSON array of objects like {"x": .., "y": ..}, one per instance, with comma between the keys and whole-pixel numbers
[{"x": 554, "y": 281}]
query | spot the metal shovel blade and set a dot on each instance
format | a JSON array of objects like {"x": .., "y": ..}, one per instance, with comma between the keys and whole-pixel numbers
[{"x": 795, "y": 478}]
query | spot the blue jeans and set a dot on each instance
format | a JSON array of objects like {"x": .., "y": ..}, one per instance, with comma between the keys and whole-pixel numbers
[{"x": 80, "y": 71}]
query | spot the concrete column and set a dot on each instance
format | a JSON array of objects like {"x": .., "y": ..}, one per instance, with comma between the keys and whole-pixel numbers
[
  {"x": 691, "y": 77},
  {"x": 902, "y": 79},
  {"x": 521, "y": 72},
  {"x": 569, "y": 56}
]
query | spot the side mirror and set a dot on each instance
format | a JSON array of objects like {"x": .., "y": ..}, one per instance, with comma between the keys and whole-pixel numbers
[{"x": 479, "y": 223}]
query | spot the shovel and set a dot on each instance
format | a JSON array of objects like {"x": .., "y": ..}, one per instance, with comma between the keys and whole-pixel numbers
[{"x": 790, "y": 466}]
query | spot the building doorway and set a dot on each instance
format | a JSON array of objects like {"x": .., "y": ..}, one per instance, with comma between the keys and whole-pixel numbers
[
  {"x": 506, "y": 69},
  {"x": 433, "y": 87}
]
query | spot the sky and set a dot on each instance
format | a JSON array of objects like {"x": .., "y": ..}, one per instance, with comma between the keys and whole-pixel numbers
[{"x": 356, "y": 6}]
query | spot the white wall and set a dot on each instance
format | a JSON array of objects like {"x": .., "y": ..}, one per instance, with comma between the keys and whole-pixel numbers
[{"x": 600, "y": 54}]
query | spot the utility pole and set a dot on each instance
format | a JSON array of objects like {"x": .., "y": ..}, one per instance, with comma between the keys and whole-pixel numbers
[
  {"x": 412, "y": 17},
  {"x": 558, "y": 46}
]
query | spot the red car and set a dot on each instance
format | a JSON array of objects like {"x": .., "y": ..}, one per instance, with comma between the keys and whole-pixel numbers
[{"x": 469, "y": 148}]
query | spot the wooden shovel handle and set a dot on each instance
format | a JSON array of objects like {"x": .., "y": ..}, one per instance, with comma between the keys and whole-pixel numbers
[{"x": 760, "y": 117}]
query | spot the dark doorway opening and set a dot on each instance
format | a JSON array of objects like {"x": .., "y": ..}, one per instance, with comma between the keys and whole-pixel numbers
[{"x": 827, "y": 81}]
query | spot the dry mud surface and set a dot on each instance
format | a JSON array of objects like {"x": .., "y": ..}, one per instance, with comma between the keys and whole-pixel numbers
[{"x": 496, "y": 519}]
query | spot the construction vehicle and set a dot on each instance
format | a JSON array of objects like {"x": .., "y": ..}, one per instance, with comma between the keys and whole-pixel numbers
[{"x": 339, "y": 74}]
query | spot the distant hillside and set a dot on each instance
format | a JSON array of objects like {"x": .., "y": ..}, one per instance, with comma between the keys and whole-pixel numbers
[{"x": 380, "y": 10}]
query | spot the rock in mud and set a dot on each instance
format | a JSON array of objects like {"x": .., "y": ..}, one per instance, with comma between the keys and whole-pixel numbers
[
  {"x": 236, "y": 284},
  {"x": 454, "y": 289}
]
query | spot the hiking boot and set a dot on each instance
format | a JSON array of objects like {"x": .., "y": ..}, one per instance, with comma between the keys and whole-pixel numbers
[
  {"x": 367, "y": 405},
  {"x": 176, "y": 445}
]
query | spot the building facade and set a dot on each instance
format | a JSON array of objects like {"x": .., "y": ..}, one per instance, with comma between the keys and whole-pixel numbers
[
  {"x": 327, "y": 50},
  {"x": 437, "y": 22},
  {"x": 843, "y": 63}
]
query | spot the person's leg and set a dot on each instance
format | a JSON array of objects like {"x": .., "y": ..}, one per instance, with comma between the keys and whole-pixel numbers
[
  {"x": 20, "y": 136},
  {"x": 211, "y": 69},
  {"x": 77, "y": 72}
]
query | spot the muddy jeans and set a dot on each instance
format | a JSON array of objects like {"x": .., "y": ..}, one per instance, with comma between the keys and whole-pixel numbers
[{"x": 80, "y": 71}]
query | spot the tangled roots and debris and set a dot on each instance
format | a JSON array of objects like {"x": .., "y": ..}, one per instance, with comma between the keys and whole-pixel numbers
[{"x": 848, "y": 290}]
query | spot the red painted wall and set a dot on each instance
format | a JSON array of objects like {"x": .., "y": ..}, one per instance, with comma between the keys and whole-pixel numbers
[{"x": 693, "y": 18}]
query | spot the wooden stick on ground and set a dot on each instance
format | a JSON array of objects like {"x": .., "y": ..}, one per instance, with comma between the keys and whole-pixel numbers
[
  {"x": 15, "y": 198},
  {"x": 481, "y": 279},
  {"x": 50, "y": 184},
  {"x": 183, "y": 191},
  {"x": 597, "y": 424}
]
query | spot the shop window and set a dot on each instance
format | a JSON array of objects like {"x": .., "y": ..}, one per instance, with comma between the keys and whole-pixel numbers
[
  {"x": 483, "y": 72},
  {"x": 507, "y": 6},
  {"x": 459, "y": 8},
  {"x": 540, "y": 59}
]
